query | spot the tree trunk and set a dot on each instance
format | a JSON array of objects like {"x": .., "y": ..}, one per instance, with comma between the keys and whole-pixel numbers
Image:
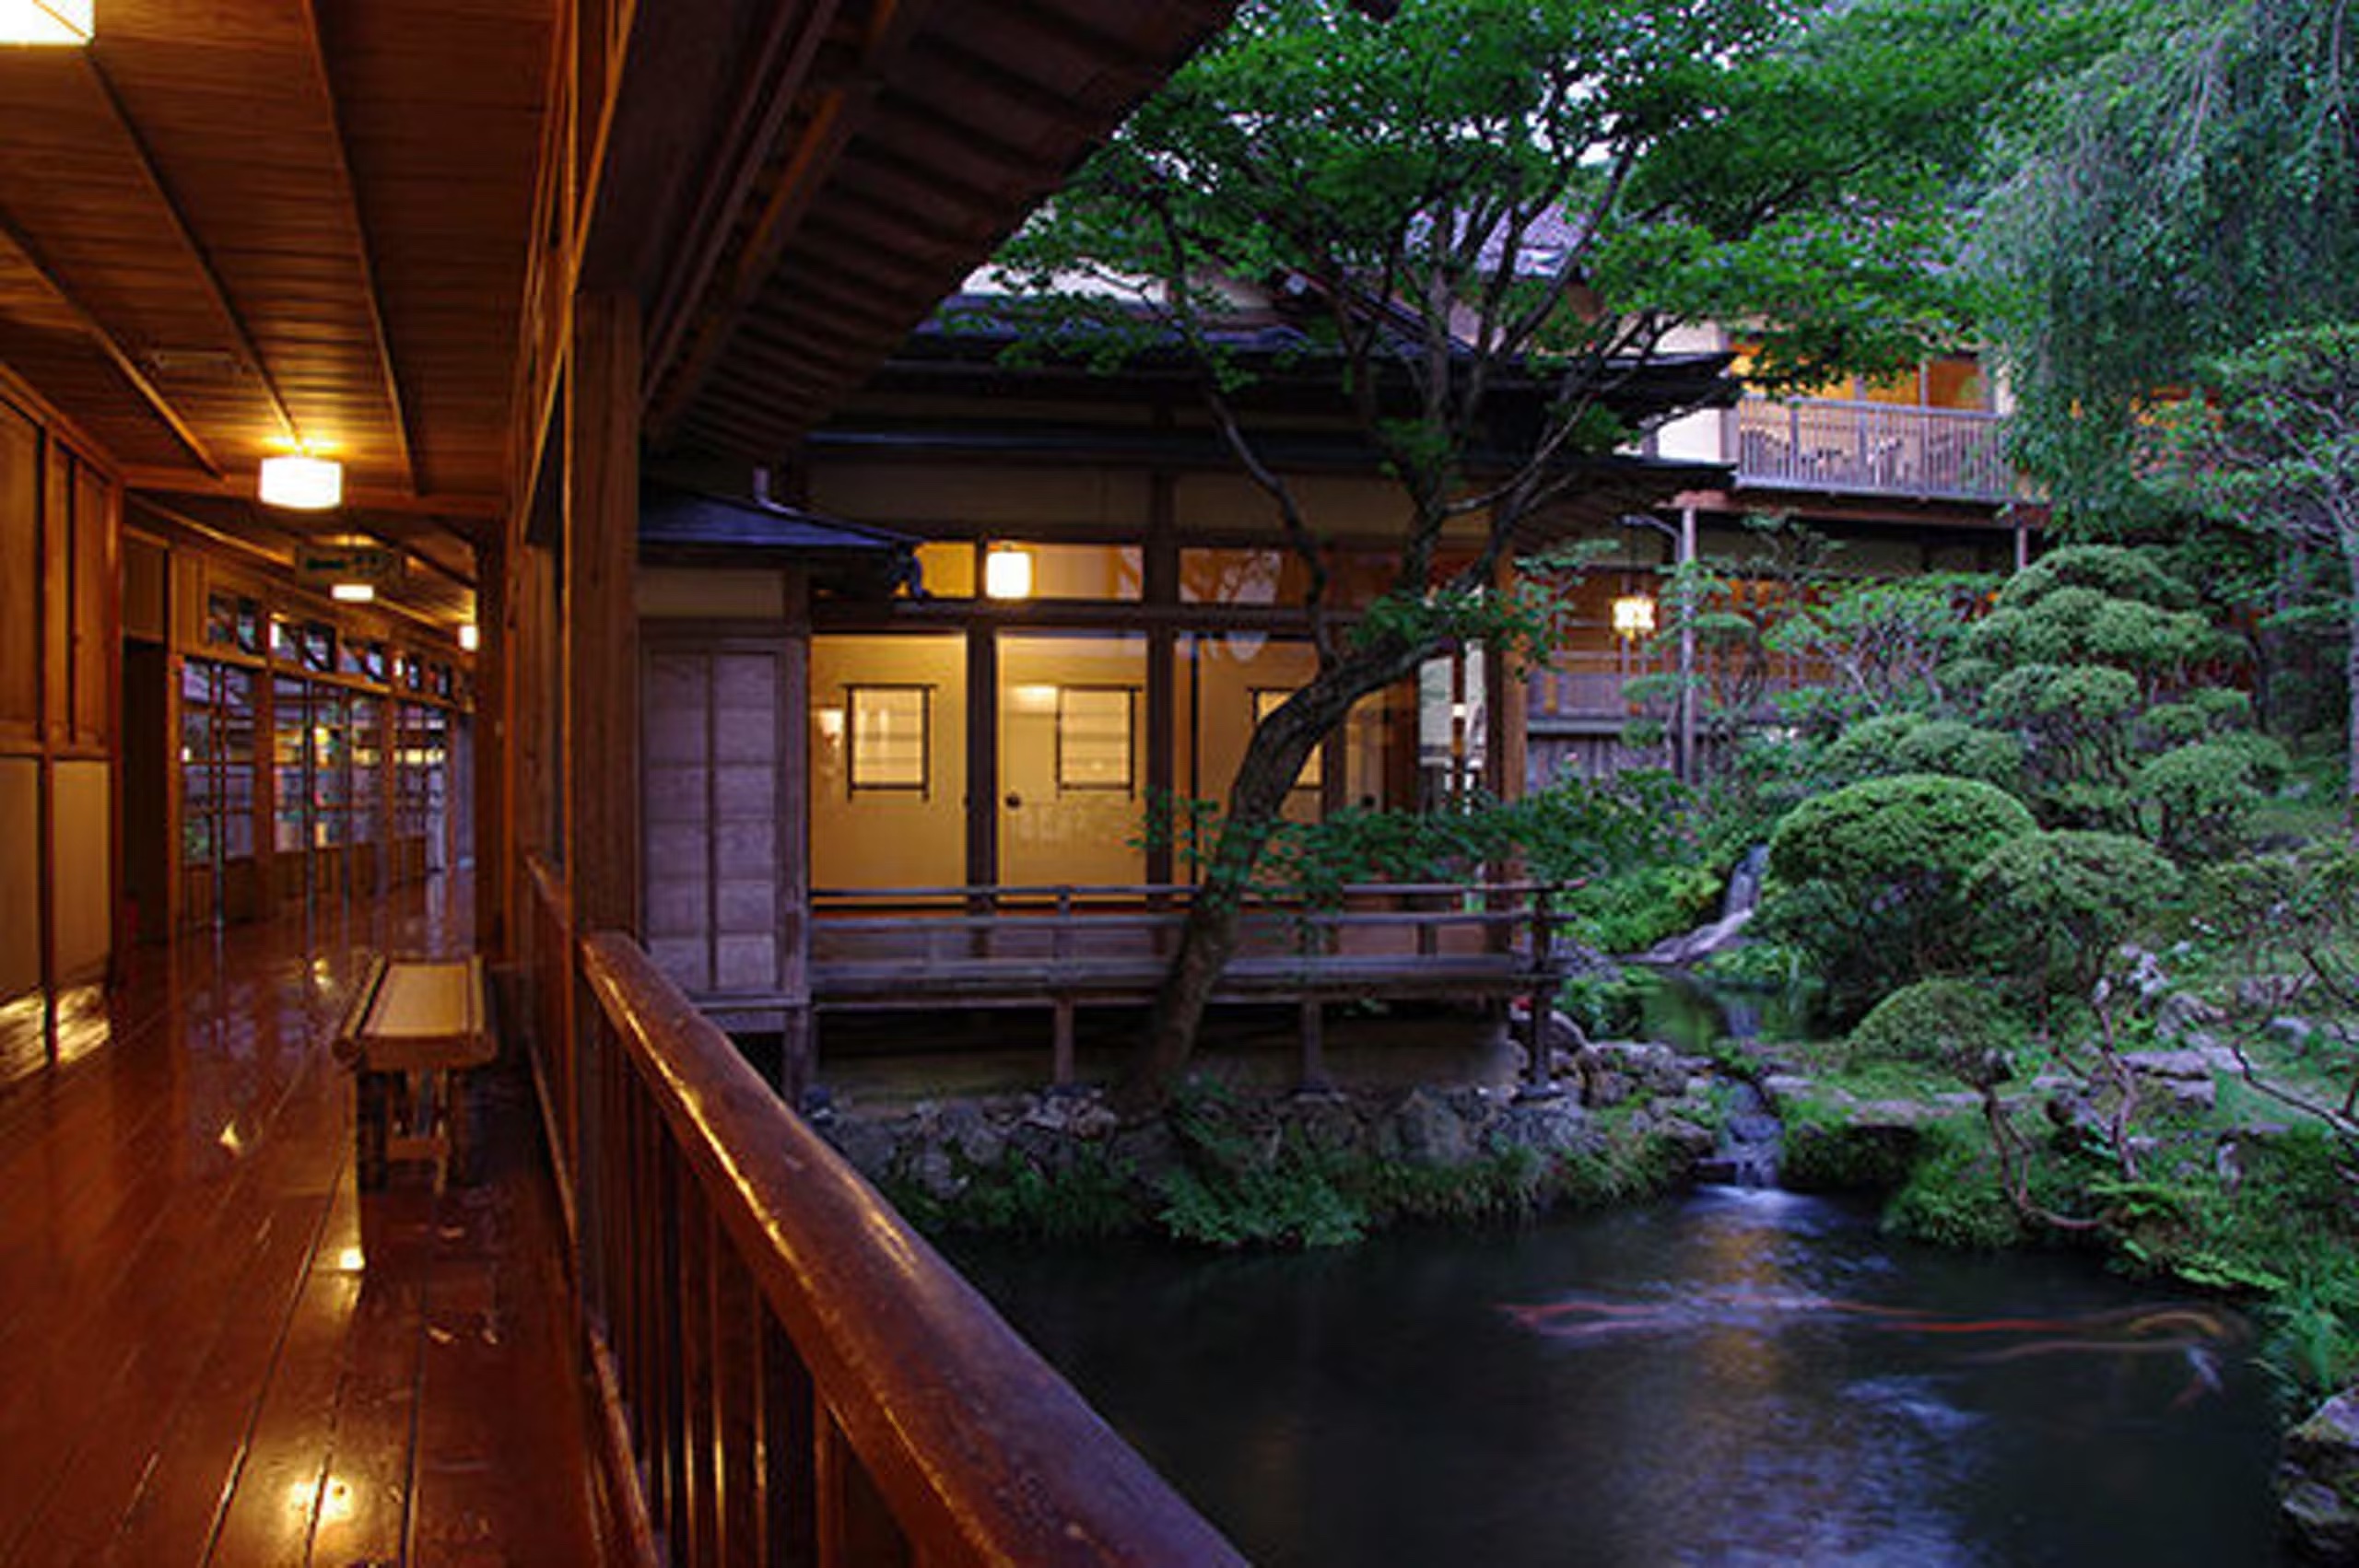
[
  {"x": 2350, "y": 542},
  {"x": 1274, "y": 759}
]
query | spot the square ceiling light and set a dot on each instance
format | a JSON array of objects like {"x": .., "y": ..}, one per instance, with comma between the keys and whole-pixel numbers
[
  {"x": 47, "y": 21},
  {"x": 301, "y": 484}
]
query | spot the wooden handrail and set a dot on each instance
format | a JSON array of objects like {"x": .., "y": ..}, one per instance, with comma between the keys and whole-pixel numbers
[
  {"x": 979, "y": 1452},
  {"x": 1141, "y": 891}
]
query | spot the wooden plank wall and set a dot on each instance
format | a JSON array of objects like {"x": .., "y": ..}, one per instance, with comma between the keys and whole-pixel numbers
[{"x": 60, "y": 645}]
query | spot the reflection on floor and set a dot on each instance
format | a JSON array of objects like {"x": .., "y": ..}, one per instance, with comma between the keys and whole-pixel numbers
[{"x": 212, "y": 1348}]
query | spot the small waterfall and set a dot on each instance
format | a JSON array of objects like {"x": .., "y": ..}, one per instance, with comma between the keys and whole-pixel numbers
[
  {"x": 1746, "y": 1155},
  {"x": 1736, "y": 912},
  {"x": 1744, "y": 883}
]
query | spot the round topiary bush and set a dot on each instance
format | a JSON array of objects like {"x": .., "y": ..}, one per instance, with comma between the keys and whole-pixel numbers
[
  {"x": 1964, "y": 1027},
  {"x": 2051, "y": 907},
  {"x": 2197, "y": 800},
  {"x": 1912, "y": 742},
  {"x": 1869, "y": 880}
]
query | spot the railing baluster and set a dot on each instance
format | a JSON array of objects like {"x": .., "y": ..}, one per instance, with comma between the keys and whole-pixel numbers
[
  {"x": 790, "y": 1448},
  {"x": 710, "y": 1227}
]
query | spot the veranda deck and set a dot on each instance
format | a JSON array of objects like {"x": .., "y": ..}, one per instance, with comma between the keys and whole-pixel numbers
[{"x": 216, "y": 1350}]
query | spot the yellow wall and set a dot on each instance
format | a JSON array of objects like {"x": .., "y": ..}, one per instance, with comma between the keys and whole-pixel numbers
[
  {"x": 889, "y": 838},
  {"x": 1049, "y": 834},
  {"x": 1229, "y": 671}
]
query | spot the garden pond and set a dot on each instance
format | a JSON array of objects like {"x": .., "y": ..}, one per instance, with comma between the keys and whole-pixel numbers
[{"x": 1730, "y": 1377}]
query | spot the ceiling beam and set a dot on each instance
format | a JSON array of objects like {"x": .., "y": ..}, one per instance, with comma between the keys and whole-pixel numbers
[
  {"x": 1008, "y": 86},
  {"x": 774, "y": 88},
  {"x": 839, "y": 114},
  {"x": 365, "y": 260},
  {"x": 458, "y": 508},
  {"x": 127, "y": 365},
  {"x": 207, "y": 274}
]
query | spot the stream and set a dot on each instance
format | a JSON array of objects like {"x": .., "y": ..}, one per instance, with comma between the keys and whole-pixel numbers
[{"x": 1738, "y": 1377}]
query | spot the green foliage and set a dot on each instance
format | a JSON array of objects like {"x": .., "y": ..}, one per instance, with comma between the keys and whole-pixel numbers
[
  {"x": 1631, "y": 911},
  {"x": 1229, "y": 1191},
  {"x": 1631, "y": 1163},
  {"x": 1913, "y": 743},
  {"x": 1953, "y": 1196},
  {"x": 2106, "y": 570},
  {"x": 2196, "y": 188},
  {"x": 1870, "y": 879},
  {"x": 1823, "y": 1150},
  {"x": 2051, "y": 907},
  {"x": 1889, "y": 642},
  {"x": 1259, "y": 1207},
  {"x": 1604, "y": 1005},
  {"x": 1965, "y": 1027},
  {"x": 1088, "y": 1197},
  {"x": 2197, "y": 799}
]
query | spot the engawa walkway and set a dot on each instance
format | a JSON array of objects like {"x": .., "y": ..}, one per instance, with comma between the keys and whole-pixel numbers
[{"x": 212, "y": 1349}]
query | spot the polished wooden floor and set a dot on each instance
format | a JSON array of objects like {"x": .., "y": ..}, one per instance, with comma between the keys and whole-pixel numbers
[{"x": 212, "y": 1350}]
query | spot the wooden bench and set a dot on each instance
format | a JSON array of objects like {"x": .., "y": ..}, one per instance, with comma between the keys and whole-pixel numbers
[{"x": 414, "y": 1027}]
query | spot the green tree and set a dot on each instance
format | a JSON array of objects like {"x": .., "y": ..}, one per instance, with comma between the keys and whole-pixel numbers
[
  {"x": 2278, "y": 449},
  {"x": 2192, "y": 193},
  {"x": 1480, "y": 199},
  {"x": 1871, "y": 880},
  {"x": 2195, "y": 189}
]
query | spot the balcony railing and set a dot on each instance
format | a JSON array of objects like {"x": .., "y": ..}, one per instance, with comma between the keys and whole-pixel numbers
[
  {"x": 1872, "y": 449},
  {"x": 798, "y": 1377}
]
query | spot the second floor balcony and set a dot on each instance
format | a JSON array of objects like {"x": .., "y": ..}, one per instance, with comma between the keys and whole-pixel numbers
[{"x": 1874, "y": 449}]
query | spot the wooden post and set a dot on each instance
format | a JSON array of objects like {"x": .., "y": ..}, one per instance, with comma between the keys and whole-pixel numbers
[
  {"x": 1541, "y": 1078},
  {"x": 1061, "y": 949},
  {"x": 1161, "y": 587},
  {"x": 1314, "y": 1045},
  {"x": 1684, "y": 767},
  {"x": 601, "y": 627},
  {"x": 798, "y": 1062},
  {"x": 1061, "y": 1049},
  {"x": 982, "y": 773},
  {"x": 495, "y": 801}
]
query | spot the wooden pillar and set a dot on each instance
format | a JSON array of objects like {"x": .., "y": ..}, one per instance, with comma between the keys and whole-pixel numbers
[
  {"x": 798, "y": 1060},
  {"x": 1685, "y": 766},
  {"x": 495, "y": 799},
  {"x": 1161, "y": 587},
  {"x": 601, "y": 628},
  {"x": 982, "y": 756},
  {"x": 1314, "y": 1047}
]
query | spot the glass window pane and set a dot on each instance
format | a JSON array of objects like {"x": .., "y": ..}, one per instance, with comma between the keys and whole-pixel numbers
[
  {"x": 1094, "y": 746},
  {"x": 888, "y": 736}
]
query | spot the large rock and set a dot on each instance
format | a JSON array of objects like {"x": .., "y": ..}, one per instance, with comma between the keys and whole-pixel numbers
[
  {"x": 2319, "y": 1483},
  {"x": 1551, "y": 1126},
  {"x": 1427, "y": 1129}
]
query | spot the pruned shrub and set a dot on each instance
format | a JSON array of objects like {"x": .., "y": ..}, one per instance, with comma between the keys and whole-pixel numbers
[
  {"x": 2050, "y": 909},
  {"x": 1870, "y": 879},
  {"x": 2197, "y": 800},
  {"x": 1965, "y": 1027}
]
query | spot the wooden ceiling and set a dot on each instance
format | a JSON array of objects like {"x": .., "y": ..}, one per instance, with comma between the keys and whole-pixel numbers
[{"x": 232, "y": 226}]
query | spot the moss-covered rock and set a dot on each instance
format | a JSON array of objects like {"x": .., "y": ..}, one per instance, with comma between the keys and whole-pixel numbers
[{"x": 2319, "y": 1483}]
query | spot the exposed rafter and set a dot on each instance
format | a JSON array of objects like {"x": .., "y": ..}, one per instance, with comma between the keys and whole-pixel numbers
[
  {"x": 125, "y": 364},
  {"x": 208, "y": 277},
  {"x": 363, "y": 260},
  {"x": 838, "y": 111},
  {"x": 241, "y": 486},
  {"x": 757, "y": 120}
]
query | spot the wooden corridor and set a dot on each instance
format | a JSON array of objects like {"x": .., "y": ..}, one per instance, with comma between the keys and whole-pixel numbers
[{"x": 212, "y": 1350}]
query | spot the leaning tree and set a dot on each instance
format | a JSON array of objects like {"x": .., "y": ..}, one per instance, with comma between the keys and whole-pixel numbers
[{"x": 1472, "y": 201}]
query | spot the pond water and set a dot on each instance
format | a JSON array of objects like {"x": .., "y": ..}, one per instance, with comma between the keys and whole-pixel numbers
[{"x": 1730, "y": 1378}]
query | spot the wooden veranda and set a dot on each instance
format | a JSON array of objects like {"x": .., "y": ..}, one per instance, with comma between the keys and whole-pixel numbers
[{"x": 1068, "y": 947}]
